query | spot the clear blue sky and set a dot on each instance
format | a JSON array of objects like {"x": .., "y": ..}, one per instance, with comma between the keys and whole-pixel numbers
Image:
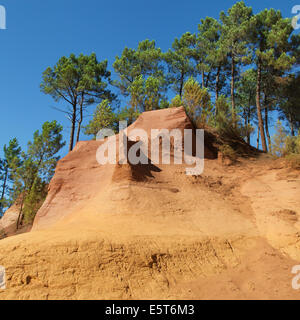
[{"x": 39, "y": 32}]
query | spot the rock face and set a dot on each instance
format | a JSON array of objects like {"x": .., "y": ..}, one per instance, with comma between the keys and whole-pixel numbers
[
  {"x": 122, "y": 231},
  {"x": 79, "y": 178},
  {"x": 8, "y": 223}
]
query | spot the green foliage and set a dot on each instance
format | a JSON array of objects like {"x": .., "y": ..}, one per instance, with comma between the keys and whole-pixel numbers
[
  {"x": 75, "y": 77},
  {"x": 234, "y": 39},
  {"x": 246, "y": 90},
  {"x": 179, "y": 63},
  {"x": 209, "y": 53},
  {"x": 228, "y": 152},
  {"x": 34, "y": 200},
  {"x": 292, "y": 144},
  {"x": 293, "y": 160},
  {"x": 176, "y": 102},
  {"x": 104, "y": 117},
  {"x": 287, "y": 146},
  {"x": 31, "y": 178},
  {"x": 235, "y": 31},
  {"x": 289, "y": 102},
  {"x": 224, "y": 124},
  {"x": 128, "y": 114},
  {"x": 146, "y": 94},
  {"x": 79, "y": 82},
  {"x": 141, "y": 76},
  {"x": 8, "y": 165},
  {"x": 44, "y": 148},
  {"x": 197, "y": 102},
  {"x": 279, "y": 140},
  {"x": 217, "y": 55},
  {"x": 222, "y": 113}
]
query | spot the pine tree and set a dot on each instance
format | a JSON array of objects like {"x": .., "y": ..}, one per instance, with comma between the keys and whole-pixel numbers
[
  {"x": 79, "y": 82},
  {"x": 141, "y": 76},
  {"x": 38, "y": 164},
  {"x": 289, "y": 103},
  {"x": 104, "y": 117},
  {"x": 234, "y": 38},
  {"x": 246, "y": 90},
  {"x": 197, "y": 102},
  {"x": 270, "y": 41},
  {"x": 179, "y": 61},
  {"x": 279, "y": 140},
  {"x": 8, "y": 165}
]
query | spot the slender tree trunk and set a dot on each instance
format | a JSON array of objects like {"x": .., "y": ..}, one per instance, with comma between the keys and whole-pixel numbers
[
  {"x": 207, "y": 80},
  {"x": 267, "y": 128},
  {"x": 79, "y": 122},
  {"x": 20, "y": 216},
  {"x": 292, "y": 127},
  {"x": 245, "y": 123},
  {"x": 73, "y": 126},
  {"x": 257, "y": 140},
  {"x": 266, "y": 123},
  {"x": 217, "y": 83},
  {"x": 258, "y": 106},
  {"x": 202, "y": 79},
  {"x": 4, "y": 186},
  {"x": 78, "y": 129},
  {"x": 248, "y": 125},
  {"x": 181, "y": 84},
  {"x": 232, "y": 91},
  {"x": 3, "y": 190}
]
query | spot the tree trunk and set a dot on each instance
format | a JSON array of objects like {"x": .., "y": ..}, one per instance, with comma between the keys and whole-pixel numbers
[
  {"x": 78, "y": 130},
  {"x": 20, "y": 212},
  {"x": 248, "y": 125},
  {"x": 292, "y": 127},
  {"x": 258, "y": 106},
  {"x": 217, "y": 83},
  {"x": 73, "y": 123},
  {"x": 3, "y": 190},
  {"x": 202, "y": 79},
  {"x": 181, "y": 84},
  {"x": 232, "y": 91},
  {"x": 245, "y": 123},
  {"x": 257, "y": 140},
  {"x": 207, "y": 80},
  {"x": 266, "y": 124},
  {"x": 4, "y": 186},
  {"x": 79, "y": 123}
]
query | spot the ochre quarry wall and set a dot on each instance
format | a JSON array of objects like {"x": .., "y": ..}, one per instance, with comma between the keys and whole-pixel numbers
[
  {"x": 80, "y": 178},
  {"x": 122, "y": 231}
]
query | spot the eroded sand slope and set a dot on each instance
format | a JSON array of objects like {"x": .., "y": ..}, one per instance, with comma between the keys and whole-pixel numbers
[{"x": 130, "y": 232}]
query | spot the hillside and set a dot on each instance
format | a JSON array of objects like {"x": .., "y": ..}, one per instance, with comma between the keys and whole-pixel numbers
[{"x": 152, "y": 232}]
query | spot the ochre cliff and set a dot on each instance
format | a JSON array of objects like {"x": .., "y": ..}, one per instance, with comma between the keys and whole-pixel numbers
[{"x": 152, "y": 232}]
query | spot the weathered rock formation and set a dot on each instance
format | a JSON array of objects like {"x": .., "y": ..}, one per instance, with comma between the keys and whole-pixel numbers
[{"x": 150, "y": 231}]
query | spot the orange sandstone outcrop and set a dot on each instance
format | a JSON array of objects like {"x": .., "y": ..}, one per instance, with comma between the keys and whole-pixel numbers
[
  {"x": 121, "y": 231},
  {"x": 80, "y": 178}
]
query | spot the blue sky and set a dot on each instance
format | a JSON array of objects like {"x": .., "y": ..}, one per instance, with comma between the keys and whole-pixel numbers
[{"x": 40, "y": 32}]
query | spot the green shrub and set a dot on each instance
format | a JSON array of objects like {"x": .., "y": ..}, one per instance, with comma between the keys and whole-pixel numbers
[
  {"x": 293, "y": 160},
  {"x": 176, "y": 102},
  {"x": 228, "y": 152},
  {"x": 292, "y": 145},
  {"x": 33, "y": 201}
]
